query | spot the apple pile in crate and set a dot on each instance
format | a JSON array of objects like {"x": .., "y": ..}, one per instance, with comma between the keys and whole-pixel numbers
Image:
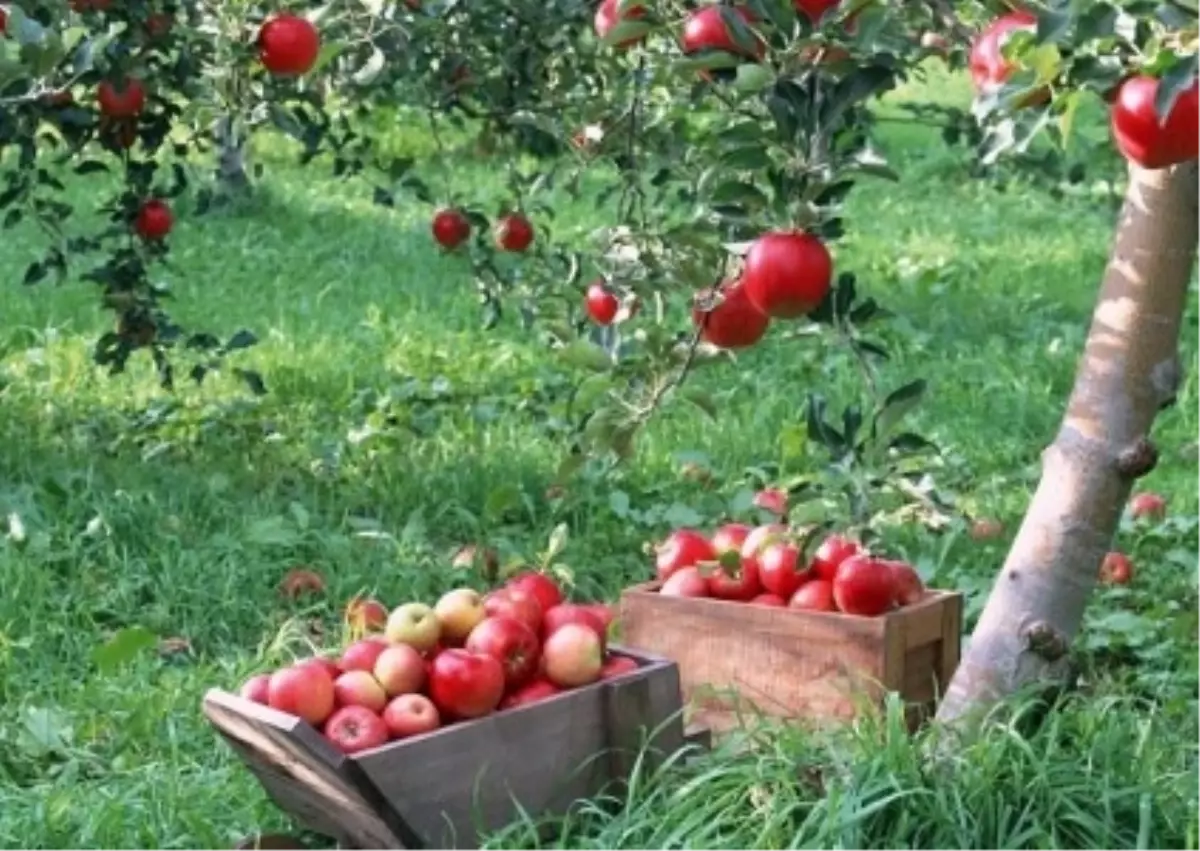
[
  {"x": 465, "y": 657},
  {"x": 767, "y": 567}
]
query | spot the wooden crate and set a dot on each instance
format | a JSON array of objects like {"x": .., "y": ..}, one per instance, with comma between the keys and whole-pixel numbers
[
  {"x": 443, "y": 789},
  {"x": 738, "y": 660}
]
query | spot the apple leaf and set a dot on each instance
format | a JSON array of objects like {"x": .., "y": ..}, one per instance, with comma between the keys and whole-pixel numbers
[{"x": 558, "y": 542}]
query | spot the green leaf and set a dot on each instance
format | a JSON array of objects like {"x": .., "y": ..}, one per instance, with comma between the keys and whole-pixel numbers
[
  {"x": 897, "y": 405},
  {"x": 737, "y": 192},
  {"x": 123, "y": 647},
  {"x": 701, "y": 400},
  {"x": 558, "y": 541},
  {"x": 1172, "y": 84},
  {"x": 243, "y": 339},
  {"x": 618, "y": 501},
  {"x": 753, "y": 77},
  {"x": 585, "y": 354}
]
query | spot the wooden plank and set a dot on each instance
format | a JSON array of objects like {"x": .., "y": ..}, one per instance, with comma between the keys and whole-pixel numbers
[
  {"x": 730, "y": 654},
  {"x": 644, "y": 720},
  {"x": 305, "y": 775},
  {"x": 923, "y": 621},
  {"x": 738, "y": 662},
  {"x": 458, "y": 782},
  {"x": 952, "y": 616}
]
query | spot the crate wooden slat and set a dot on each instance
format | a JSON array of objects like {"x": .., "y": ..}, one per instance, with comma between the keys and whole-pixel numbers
[
  {"x": 737, "y": 660},
  {"x": 445, "y": 788}
]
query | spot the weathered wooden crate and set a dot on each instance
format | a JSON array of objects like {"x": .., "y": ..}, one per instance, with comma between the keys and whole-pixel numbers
[
  {"x": 443, "y": 789},
  {"x": 737, "y": 661}
]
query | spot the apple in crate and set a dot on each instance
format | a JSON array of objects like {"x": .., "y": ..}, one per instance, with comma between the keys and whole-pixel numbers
[
  {"x": 864, "y": 586},
  {"x": 572, "y": 656},
  {"x": 463, "y": 684},
  {"x": 906, "y": 582},
  {"x": 414, "y": 624},
  {"x": 358, "y": 688},
  {"x": 574, "y": 613},
  {"x": 329, "y": 666},
  {"x": 459, "y": 611},
  {"x": 355, "y": 728},
  {"x": 815, "y": 595},
  {"x": 685, "y": 582},
  {"x": 410, "y": 715},
  {"x": 362, "y": 655},
  {"x": 516, "y": 604},
  {"x": 829, "y": 556},
  {"x": 616, "y": 666},
  {"x": 400, "y": 670},
  {"x": 531, "y": 692},
  {"x": 256, "y": 688},
  {"x": 511, "y": 643},
  {"x": 302, "y": 690},
  {"x": 544, "y": 589}
]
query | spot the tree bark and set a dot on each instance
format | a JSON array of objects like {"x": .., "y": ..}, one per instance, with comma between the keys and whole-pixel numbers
[
  {"x": 232, "y": 175},
  {"x": 1130, "y": 369}
]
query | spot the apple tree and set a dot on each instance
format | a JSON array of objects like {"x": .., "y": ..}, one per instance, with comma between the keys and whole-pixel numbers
[{"x": 724, "y": 139}]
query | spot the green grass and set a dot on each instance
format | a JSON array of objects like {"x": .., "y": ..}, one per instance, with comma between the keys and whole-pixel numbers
[{"x": 180, "y": 514}]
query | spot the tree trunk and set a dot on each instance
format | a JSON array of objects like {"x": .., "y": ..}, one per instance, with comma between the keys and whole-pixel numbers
[
  {"x": 1130, "y": 369},
  {"x": 232, "y": 175}
]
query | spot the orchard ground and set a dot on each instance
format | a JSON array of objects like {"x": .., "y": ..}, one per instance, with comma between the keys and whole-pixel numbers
[{"x": 181, "y": 514}]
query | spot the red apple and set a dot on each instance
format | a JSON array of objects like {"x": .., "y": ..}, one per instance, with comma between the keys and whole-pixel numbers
[
  {"x": 572, "y": 656},
  {"x": 355, "y": 728},
  {"x": 687, "y": 582},
  {"x": 730, "y": 538},
  {"x": 358, "y": 688},
  {"x": 326, "y": 664},
  {"x": 541, "y": 586},
  {"x": 566, "y": 613},
  {"x": 414, "y": 624},
  {"x": 760, "y": 537},
  {"x": 410, "y": 715},
  {"x": 909, "y": 587},
  {"x": 362, "y": 655},
  {"x": 256, "y": 688},
  {"x": 366, "y": 615},
  {"x": 463, "y": 684},
  {"x": 774, "y": 500},
  {"x": 769, "y": 600},
  {"x": 864, "y": 586},
  {"x": 302, "y": 690},
  {"x": 833, "y": 551},
  {"x": 814, "y": 596},
  {"x": 510, "y": 642},
  {"x": 781, "y": 569},
  {"x": 603, "y": 612},
  {"x": 986, "y": 529},
  {"x": 400, "y": 670},
  {"x": 514, "y": 603},
  {"x": 682, "y": 548},
  {"x": 531, "y": 692},
  {"x": 616, "y": 666},
  {"x": 459, "y": 611},
  {"x": 1149, "y": 506},
  {"x": 1116, "y": 569}
]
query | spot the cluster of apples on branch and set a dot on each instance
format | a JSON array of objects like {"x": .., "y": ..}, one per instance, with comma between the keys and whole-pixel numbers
[{"x": 421, "y": 667}]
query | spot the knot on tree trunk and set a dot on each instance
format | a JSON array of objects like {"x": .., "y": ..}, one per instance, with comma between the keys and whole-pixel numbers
[
  {"x": 1046, "y": 641},
  {"x": 1137, "y": 459}
]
